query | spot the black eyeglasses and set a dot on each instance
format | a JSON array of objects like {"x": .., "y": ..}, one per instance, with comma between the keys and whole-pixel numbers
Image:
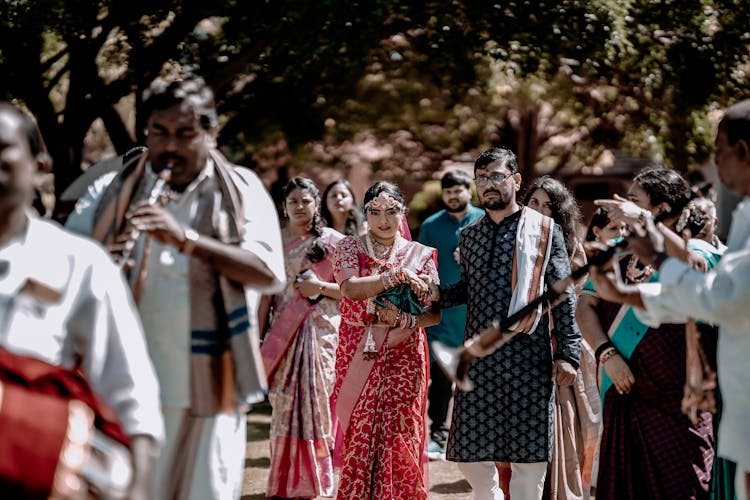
[{"x": 491, "y": 179}]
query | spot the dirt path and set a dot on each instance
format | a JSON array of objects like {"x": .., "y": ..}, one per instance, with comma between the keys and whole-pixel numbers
[{"x": 446, "y": 482}]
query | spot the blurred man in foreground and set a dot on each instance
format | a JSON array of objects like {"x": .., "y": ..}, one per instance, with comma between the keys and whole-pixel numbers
[{"x": 64, "y": 302}]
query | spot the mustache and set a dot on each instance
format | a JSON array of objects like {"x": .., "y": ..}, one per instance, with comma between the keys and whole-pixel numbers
[
  {"x": 166, "y": 158},
  {"x": 492, "y": 191}
]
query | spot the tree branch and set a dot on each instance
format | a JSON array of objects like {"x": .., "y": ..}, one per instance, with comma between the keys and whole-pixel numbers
[
  {"x": 235, "y": 66},
  {"x": 53, "y": 59},
  {"x": 56, "y": 78}
]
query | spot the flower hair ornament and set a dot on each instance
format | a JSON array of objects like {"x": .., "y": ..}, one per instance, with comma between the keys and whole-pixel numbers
[
  {"x": 383, "y": 201},
  {"x": 682, "y": 222}
]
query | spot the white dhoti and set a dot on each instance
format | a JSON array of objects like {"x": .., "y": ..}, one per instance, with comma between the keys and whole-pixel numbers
[{"x": 203, "y": 457}]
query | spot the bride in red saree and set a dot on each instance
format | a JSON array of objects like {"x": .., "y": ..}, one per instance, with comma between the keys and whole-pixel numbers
[{"x": 382, "y": 362}]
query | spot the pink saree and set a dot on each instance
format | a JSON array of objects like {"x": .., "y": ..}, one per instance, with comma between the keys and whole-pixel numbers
[
  {"x": 381, "y": 402},
  {"x": 299, "y": 356}
]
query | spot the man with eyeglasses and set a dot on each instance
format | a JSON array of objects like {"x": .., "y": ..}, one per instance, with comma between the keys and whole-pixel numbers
[{"x": 508, "y": 257}]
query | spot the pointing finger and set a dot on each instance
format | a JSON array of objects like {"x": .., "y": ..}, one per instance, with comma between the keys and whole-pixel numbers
[{"x": 607, "y": 203}]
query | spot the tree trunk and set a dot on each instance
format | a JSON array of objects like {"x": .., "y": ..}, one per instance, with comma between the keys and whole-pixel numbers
[
  {"x": 528, "y": 144},
  {"x": 519, "y": 133},
  {"x": 118, "y": 133}
]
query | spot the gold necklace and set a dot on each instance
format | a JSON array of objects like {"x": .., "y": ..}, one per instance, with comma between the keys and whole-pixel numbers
[
  {"x": 370, "y": 349},
  {"x": 381, "y": 252},
  {"x": 636, "y": 275}
]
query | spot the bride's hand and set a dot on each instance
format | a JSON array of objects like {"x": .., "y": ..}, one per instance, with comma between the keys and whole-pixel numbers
[
  {"x": 386, "y": 315},
  {"x": 433, "y": 291},
  {"x": 418, "y": 285}
]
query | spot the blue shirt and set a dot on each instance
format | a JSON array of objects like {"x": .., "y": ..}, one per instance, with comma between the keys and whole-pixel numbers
[{"x": 441, "y": 231}]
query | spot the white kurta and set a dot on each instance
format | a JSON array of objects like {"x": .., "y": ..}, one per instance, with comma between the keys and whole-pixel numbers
[
  {"x": 165, "y": 298},
  {"x": 165, "y": 309},
  {"x": 93, "y": 317},
  {"x": 722, "y": 297}
]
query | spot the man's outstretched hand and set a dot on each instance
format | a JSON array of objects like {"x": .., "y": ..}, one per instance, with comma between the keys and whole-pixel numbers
[{"x": 647, "y": 242}]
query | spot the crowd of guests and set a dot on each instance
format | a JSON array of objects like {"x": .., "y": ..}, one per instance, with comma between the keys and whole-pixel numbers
[{"x": 213, "y": 303}]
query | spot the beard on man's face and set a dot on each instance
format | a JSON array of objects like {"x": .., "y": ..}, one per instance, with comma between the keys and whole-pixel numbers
[
  {"x": 456, "y": 206},
  {"x": 495, "y": 203}
]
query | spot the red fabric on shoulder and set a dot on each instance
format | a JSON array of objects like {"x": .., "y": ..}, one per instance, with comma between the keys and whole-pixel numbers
[{"x": 44, "y": 378}]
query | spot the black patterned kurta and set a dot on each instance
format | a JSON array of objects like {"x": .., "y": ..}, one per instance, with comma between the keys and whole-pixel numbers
[{"x": 508, "y": 416}]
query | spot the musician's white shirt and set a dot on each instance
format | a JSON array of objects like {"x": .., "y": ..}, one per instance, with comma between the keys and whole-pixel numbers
[
  {"x": 61, "y": 297},
  {"x": 164, "y": 304},
  {"x": 722, "y": 297}
]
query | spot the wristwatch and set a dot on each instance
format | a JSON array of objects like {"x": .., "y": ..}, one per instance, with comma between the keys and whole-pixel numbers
[{"x": 191, "y": 237}]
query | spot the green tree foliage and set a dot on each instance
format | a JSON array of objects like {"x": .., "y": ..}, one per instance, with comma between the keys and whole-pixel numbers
[
  {"x": 400, "y": 85},
  {"x": 72, "y": 61}
]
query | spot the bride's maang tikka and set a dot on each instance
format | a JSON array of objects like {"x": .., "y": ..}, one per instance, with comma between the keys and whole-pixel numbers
[{"x": 383, "y": 201}]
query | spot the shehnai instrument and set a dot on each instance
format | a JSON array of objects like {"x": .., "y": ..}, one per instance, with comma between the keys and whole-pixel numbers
[
  {"x": 126, "y": 243},
  {"x": 155, "y": 196}
]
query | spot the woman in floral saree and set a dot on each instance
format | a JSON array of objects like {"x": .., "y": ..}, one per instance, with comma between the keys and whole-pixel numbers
[
  {"x": 299, "y": 352},
  {"x": 382, "y": 363}
]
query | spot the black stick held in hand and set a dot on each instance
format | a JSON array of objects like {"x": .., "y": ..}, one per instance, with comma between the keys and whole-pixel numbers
[{"x": 455, "y": 362}]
